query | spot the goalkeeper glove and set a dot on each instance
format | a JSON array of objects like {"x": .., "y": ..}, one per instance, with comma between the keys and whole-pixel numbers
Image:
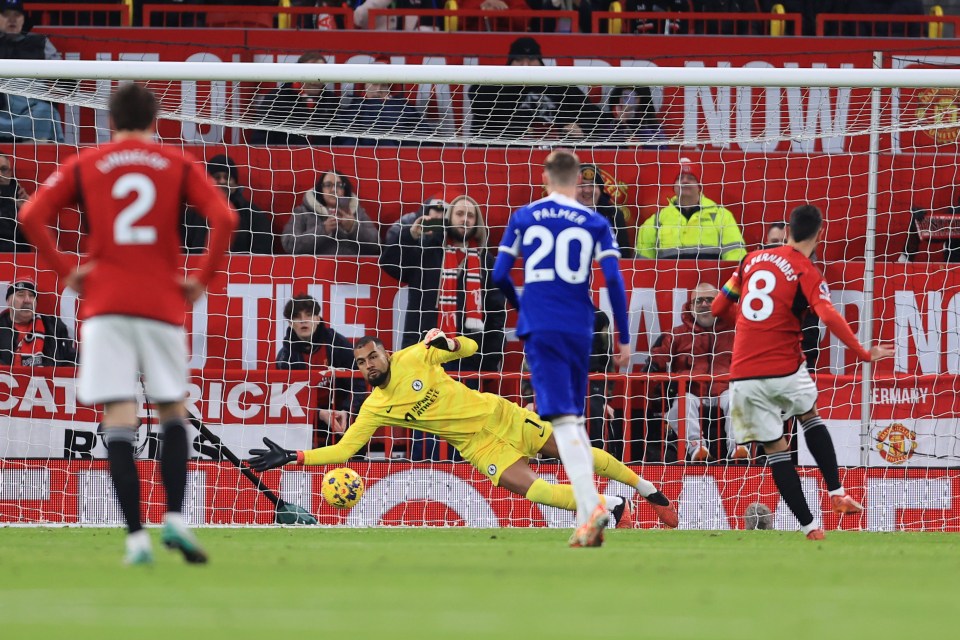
[
  {"x": 272, "y": 457},
  {"x": 439, "y": 340}
]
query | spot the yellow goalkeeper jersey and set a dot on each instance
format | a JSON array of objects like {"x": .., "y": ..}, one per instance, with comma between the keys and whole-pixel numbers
[{"x": 420, "y": 395}]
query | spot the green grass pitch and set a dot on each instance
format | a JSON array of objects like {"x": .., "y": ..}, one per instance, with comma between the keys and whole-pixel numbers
[{"x": 341, "y": 584}]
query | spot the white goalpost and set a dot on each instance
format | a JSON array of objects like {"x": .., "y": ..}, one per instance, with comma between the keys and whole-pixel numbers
[{"x": 875, "y": 149}]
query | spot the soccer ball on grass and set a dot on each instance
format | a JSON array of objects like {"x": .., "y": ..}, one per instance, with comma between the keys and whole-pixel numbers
[{"x": 342, "y": 487}]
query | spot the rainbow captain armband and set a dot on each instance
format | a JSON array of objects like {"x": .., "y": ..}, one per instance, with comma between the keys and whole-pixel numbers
[{"x": 731, "y": 290}]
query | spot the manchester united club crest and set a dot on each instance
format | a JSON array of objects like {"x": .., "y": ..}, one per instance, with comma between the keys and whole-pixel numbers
[
  {"x": 939, "y": 109},
  {"x": 896, "y": 444}
]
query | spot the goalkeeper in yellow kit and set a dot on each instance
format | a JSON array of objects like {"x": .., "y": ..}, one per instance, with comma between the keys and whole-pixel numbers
[{"x": 411, "y": 389}]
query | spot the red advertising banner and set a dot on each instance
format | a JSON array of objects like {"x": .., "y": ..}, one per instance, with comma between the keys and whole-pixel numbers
[
  {"x": 40, "y": 416},
  {"x": 807, "y": 120},
  {"x": 452, "y": 494},
  {"x": 239, "y": 325}
]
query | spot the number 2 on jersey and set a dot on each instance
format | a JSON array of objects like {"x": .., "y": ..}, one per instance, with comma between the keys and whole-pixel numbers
[
  {"x": 125, "y": 231},
  {"x": 560, "y": 247},
  {"x": 759, "y": 286}
]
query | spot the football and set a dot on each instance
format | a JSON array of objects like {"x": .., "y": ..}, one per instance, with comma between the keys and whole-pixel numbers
[{"x": 342, "y": 487}]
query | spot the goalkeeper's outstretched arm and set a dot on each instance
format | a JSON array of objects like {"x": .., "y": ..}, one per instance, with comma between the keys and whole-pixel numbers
[{"x": 353, "y": 439}]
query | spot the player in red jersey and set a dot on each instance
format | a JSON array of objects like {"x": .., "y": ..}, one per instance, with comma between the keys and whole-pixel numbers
[
  {"x": 132, "y": 193},
  {"x": 769, "y": 378}
]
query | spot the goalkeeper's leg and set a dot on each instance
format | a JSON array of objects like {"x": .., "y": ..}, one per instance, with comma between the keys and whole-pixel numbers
[
  {"x": 607, "y": 466},
  {"x": 520, "y": 479}
]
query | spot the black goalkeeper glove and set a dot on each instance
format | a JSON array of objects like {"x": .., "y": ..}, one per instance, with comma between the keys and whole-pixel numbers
[{"x": 270, "y": 458}]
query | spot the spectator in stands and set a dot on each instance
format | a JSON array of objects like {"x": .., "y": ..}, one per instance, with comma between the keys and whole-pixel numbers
[
  {"x": 29, "y": 339},
  {"x": 514, "y": 111},
  {"x": 361, "y": 15},
  {"x": 701, "y": 345},
  {"x": 23, "y": 118},
  {"x": 776, "y": 235},
  {"x": 379, "y": 112},
  {"x": 309, "y": 342},
  {"x": 331, "y": 222},
  {"x": 592, "y": 192},
  {"x": 320, "y": 21},
  {"x": 254, "y": 233},
  {"x": 691, "y": 225},
  {"x": 432, "y": 210},
  {"x": 442, "y": 257},
  {"x": 309, "y": 105},
  {"x": 12, "y": 197},
  {"x": 880, "y": 8},
  {"x": 634, "y": 116}
]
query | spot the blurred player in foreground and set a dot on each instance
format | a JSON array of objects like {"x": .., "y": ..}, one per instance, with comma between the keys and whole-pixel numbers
[
  {"x": 769, "y": 378},
  {"x": 411, "y": 389},
  {"x": 558, "y": 239},
  {"x": 132, "y": 192}
]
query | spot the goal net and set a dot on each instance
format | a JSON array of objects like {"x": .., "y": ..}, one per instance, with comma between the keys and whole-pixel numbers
[{"x": 350, "y": 181}]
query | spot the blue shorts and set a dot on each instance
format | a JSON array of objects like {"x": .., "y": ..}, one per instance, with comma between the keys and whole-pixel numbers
[{"x": 559, "y": 367}]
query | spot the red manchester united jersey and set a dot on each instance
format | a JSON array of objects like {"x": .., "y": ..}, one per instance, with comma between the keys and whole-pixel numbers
[
  {"x": 132, "y": 195},
  {"x": 775, "y": 287}
]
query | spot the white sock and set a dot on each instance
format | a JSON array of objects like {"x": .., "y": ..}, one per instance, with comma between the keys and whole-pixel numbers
[
  {"x": 611, "y": 502},
  {"x": 138, "y": 540},
  {"x": 808, "y": 528},
  {"x": 837, "y": 492},
  {"x": 174, "y": 519},
  {"x": 577, "y": 459},
  {"x": 645, "y": 488}
]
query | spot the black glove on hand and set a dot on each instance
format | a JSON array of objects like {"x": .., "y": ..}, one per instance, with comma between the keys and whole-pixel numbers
[{"x": 271, "y": 458}]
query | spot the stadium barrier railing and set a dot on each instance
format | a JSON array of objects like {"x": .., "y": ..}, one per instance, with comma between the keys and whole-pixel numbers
[
  {"x": 884, "y": 25},
  {"x": 665, "y": 22}
]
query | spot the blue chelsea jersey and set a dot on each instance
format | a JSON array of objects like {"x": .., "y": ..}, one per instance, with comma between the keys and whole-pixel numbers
[{"x": 558, "y": 239}]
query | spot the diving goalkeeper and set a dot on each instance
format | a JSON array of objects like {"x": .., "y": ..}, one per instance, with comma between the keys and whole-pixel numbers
[{"x": 411, "y": 389}]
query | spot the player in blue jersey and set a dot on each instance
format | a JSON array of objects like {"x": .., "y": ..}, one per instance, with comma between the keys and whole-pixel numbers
[{"x": 558, "y": 239}]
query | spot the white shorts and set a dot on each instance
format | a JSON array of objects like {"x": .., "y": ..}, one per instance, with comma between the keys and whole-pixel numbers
[
  {"x": 758, "y": 407},
  {"x": 116, "y": 350}
]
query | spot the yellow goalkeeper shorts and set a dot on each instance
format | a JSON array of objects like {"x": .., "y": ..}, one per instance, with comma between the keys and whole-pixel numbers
[{"x": 511, "y": 433}]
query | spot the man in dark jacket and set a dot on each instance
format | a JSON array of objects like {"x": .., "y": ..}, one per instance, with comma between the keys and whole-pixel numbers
[
  {"x": 702, "y": 345},
  {"x": 254, "y": 232},
  {"x": 22, "y": 117},
  {"x": 515, "y": 111},
  {"x": 12, "y": 197},
  {"x": 310, "y": 342},
  {"x": 28, "y": 339},
  {"x": 307, "y": 105}
]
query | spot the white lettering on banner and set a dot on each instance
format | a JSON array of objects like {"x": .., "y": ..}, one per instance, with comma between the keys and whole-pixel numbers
[
  {"x": 642, "y": 307},
  {"x": 910, "y": 324},
  {"x": 716, "y": 114},
  {"x": 235, "y": 395},
  {"x": 36, "y": 394},
  {"x": 339, "y": 294},
  {"x": 198, "y": 333},
  {"x": 833, "y": 124},
  {"x": 886, "y": 497},
  {"x": 953, "y": 335},
  {"x": 838, "y": 351},
  {"x": 192, "y": 401},
  {"x": 770, "y": 137},
  {"x": 423, "y": 484},
  {"x": 216, "y": 106},
  {"x": 251, "y": 294},
  {"x": 900, "y": 396},
  {"x": 783, "y": 518},
  {"x": 700, "y": 506},
  {"x": 10, "y": 383},
  {"x": 286, "y": 398}
]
